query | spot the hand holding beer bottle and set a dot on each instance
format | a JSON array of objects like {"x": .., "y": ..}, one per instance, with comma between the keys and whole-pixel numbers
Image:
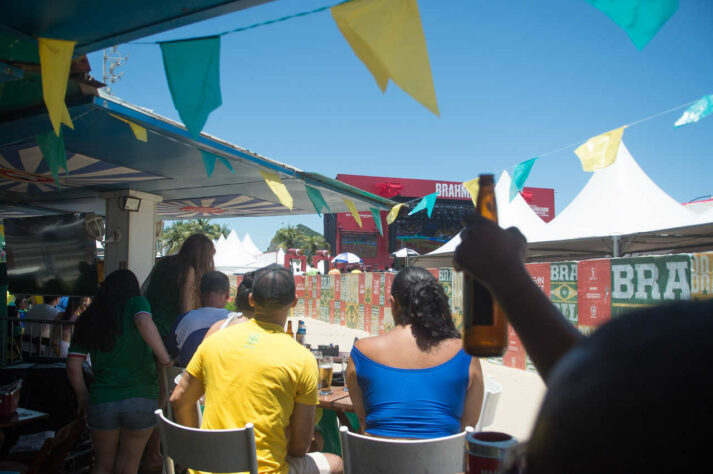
[{"x": 485, "y": 333}]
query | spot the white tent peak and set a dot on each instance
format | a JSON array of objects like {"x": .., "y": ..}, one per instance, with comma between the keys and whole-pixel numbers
[
  {"x": 619, "y": 199},
  {"x": 231, "y": 253},
  {"x": 250, "y": 246}
]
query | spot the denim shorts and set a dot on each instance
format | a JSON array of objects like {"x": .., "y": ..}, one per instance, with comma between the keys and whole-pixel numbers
[{"x": 131, "y": 413}]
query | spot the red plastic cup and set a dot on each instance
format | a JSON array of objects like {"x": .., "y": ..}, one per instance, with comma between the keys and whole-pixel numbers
[{"x": 486, "y": 451}]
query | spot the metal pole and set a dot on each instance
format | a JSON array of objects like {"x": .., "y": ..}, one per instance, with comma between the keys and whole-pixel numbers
[{"x": 616, "y": 250}]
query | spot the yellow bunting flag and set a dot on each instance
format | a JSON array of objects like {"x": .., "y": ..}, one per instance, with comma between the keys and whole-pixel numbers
[
  {"x": 387, "y": 36},
  {"x": 600, "y": 151},
  {"x": 393, "y": 213},
  {"x": 139, "y": 131},
  {"x": 276, "y": 186},
  {"x": 55, "y": 63},
  {"x": 473, "y": 186},
  {"x": 353, "y": 210}
]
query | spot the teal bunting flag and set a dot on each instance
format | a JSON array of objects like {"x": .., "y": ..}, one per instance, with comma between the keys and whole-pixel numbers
[
  {"x": 53, "y": 152},
  {"x": 426, "y": 203},
  {"x": 701, "y": 109},
  {"x": 519, "y": 176},
  {"x": 377, "y": 219},
  {"x": 641, "y": 19},
  {"x": 193, "y": 72},
  {"x": 317, "y": 200},
  {"x": 209, "y": 162}
]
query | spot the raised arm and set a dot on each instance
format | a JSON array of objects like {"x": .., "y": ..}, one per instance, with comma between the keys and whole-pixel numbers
[{"x": 495, "y": 257}]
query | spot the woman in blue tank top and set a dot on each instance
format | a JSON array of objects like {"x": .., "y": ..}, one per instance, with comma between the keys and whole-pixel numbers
[{"x": 415, "y": 381}]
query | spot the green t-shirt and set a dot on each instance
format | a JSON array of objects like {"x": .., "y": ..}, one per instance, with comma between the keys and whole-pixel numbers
[
  {"x": 164, "y": 294},
  {"x": 128, "y": 370}
]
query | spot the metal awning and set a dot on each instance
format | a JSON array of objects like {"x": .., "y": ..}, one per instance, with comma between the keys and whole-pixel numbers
[
  {"x": 103, "y": 155},
  {"x": 95, "y": 25}
]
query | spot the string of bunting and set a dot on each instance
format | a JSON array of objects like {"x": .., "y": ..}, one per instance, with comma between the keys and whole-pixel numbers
[{"x": 374, "y": 30}]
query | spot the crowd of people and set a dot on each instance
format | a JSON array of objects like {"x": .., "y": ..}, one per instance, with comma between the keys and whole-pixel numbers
[{"x": 607, "y": 409}]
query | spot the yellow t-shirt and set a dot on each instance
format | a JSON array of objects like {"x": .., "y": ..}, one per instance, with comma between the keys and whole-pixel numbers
[{"x": 254, "y": 373}]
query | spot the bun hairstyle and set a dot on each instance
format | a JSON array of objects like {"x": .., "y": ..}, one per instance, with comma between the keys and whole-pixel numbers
[
  {"x": 423, "y": 304},
  {"x": 242, "y": 302}
]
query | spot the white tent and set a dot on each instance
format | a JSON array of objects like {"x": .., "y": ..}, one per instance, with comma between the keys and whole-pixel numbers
[
  {"x": 231, "y": 254},
  {"x": 619, "y": 210},
  {"x": 617, "y": 200},
  {"x": 250, "y": 246}
]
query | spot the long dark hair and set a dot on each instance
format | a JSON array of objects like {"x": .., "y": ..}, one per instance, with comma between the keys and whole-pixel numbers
[
  {"x": 72, "y": 306},
  {"x": 100, "y": 323},
  {"x": 423, "y": 304},
  {"x": 197, "y": 251}
]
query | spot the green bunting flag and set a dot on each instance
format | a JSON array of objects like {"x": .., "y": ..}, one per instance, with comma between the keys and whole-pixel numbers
[
  {"x": 209, "y": 162},
  {"x": 426, "y": 203},
  {"x": 519, "y": 176},
  {"x": 317, "y": 199},
  {"x": 193, "y": 72},
  {"x": 53, "y": 152},
  {"x": 641, "y": 19},
  {"x": 377, "y": 219},
  {"x": 701, "y": 109}
]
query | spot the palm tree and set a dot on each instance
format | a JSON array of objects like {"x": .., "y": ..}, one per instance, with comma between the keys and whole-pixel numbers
[
  {"x": 173, "y": 237},
  {"x": 310, "y": 245},
  {"x": 285, "y": 238}
]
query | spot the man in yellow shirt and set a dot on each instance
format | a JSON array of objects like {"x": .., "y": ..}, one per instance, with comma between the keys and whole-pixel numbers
[{"x": 255, "y": 373}]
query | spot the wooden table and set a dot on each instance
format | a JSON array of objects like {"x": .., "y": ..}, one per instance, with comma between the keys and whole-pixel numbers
[
  {"x": 340, "y": 402},
  {"x": 20, "y": 416}
]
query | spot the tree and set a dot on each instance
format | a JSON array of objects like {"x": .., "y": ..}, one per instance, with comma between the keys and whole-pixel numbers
[
  {"x": 173, "y": 237},
  {"x": 299, "y": 236}
]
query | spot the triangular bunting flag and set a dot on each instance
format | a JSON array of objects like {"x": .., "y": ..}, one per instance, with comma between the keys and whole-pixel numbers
[
  {"x": 315, "y": 196},
  {"x": 353, "y": 210},
  {"x": 55, "y": 63},
  {"x": 600, "y": 151},
  {"x": 193, "y": 72},
  {"x": 139, "y": 131},
  {"x": 427, "y": 203},
  {"x": 275, "y": 183},
  {"x": 377, "y": 219},
  {"x": 53, "y": 152},
  {"x": 209, "y": 162},
  {"x": 519, "y": 176},
  {"x": 701, "y": 109},
  {"x": 393, "y": 213},
  {"x": 641, "y": 19},
  {"x": 387, "y": 36},
  {"x": 473, "y": 186}
]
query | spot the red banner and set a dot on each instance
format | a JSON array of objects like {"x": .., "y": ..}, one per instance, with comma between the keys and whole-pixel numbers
[{"x": 594, "y": 293}]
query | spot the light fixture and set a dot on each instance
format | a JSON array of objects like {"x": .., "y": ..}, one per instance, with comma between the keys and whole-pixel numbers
[{"x": 128, "y": 203}]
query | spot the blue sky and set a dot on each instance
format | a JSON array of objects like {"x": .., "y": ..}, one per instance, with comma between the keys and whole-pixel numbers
[{"x": 514, "y": 79}]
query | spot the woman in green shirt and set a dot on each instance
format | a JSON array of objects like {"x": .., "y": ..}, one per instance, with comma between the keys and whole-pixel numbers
[{"x": 117, "y": 331}]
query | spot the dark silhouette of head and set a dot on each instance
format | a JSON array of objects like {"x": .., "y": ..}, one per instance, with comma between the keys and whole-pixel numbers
[
  {"x": 242, "y": 296},
  {"x": 636, "y": 396}
]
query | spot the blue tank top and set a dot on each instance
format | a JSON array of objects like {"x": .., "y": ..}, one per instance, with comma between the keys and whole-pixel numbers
[{"x": 413, "y": 403}]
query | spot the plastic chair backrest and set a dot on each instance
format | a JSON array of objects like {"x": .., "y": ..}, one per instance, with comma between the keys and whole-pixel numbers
[
  {"x": 208, "y": 450},
  {"x": 368, "y": 455},
  {"x": 490, "y": 403}
]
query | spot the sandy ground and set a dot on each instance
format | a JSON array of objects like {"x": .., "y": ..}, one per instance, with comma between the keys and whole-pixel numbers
[{"x": 519, "y": 400}]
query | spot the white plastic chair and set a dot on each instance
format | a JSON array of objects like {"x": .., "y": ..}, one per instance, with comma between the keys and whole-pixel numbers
[
  {"x": 490, "y": 403},
  {"x": 207, "y": 450},
  {"x": 368, "y": 455}
]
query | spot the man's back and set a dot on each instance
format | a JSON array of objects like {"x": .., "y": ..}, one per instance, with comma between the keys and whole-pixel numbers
[
  {"x": 254, "y": 373},
  {"x": 189, "y": 329}
]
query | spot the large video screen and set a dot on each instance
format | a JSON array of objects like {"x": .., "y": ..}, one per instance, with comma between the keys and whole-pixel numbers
[
  {"x": 362, "y": 244},
  {"x": 51, "y": 255},
  {"x": 423, "y": 234}
]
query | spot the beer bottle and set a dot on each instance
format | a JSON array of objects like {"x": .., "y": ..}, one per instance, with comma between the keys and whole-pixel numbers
[
  {"x": 289, "y": 330},
  {"x": 485, "y": 332},
  {"x": 301, "y": 332}
]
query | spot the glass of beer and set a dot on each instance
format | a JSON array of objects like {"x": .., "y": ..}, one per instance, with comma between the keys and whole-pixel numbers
[{"x": 326, "y": 365}]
